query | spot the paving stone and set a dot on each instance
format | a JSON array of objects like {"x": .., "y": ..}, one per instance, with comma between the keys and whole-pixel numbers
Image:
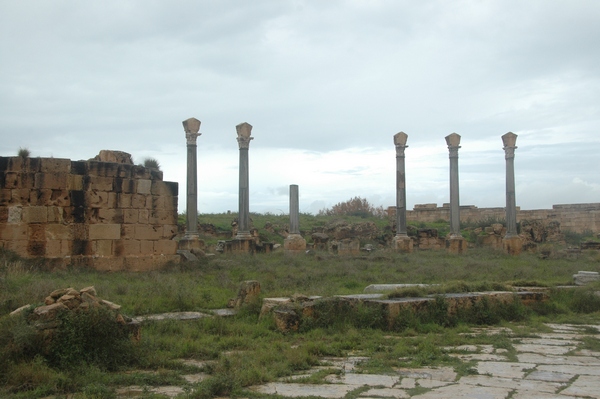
[
  {"x": 547, "y": 341},
  {"x": 407, "y": 383},
  {"x": 465, "y": 391},
  {"x": 571, "y": 360},
  {"x": 194, "y": 378},
  {"x": 588, "y": 353},
  {"x": 385, "y": 393},
  {"x": 138, "y": 391},
  {"x": 544, "y": 349},
  {"x": 538, "y": 395},
  {"x": 585, "y": 385},
  {"x": 440, "y": 374},
  {"x": 372, "y": 380},
  {"x": 461, "y": 348},
  {"x": 425, "y": 383},
  {"x": 509, "y": 383},
  {"x": 504, "y": 369},
  {"x": 348, "y": 364},
  {"x": 479, "y": 357},
  {"x": 570, "y": 369},
  {"x": 296, "y": 390},
  {"x": 560, "y": 336},
  {"x": 564, "y": 327},
  {"x": 550, "y": 376}
]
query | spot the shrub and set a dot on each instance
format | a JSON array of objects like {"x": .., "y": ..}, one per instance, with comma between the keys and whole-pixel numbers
[
  {"x": 91, "y": 337},
  {"x": 23, "y": 153},
  {"x": 356, "y": 206},
  {"x": 151, "y": 163}
]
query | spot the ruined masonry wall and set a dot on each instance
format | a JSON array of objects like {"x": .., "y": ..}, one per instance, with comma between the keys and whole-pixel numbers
[
  {"x": 572, "y": 217},
  {"x": 107, "y": 216}
]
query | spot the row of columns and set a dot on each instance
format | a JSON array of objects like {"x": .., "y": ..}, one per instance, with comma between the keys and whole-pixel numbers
[
  {"x": 455, "y": 242},
  {"x": 401, "y": 242}
]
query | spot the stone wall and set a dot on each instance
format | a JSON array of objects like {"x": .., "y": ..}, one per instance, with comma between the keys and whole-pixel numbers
[
  {"x": 572, "y": 217},
  {"x": 104, "y": 215}
]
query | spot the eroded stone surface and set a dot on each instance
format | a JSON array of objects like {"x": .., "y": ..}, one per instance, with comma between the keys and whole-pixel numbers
[{"x": 293, "y": 390}]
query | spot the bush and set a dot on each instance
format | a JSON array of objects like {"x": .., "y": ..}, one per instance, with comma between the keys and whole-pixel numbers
[
  {"x": 356, "y": 206},
  {"x": 151, "y": 163},
  {"x": 91, "y": 337},
  {"x": 23, "y": 153}
]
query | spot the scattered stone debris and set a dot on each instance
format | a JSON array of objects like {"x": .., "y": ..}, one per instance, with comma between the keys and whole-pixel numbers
[
  {"x": 248, "y": 292},
  {"x": 584, "y": 278},
  {"x": 46, "y": 320}
]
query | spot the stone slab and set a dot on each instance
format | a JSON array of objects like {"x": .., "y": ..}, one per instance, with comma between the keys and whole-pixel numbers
[
  {"x": 549, "y": 376},
  {"x": 570, "y": 369},
  {"x": 294, "y": 390},
  {"x": 544, "y": 349},
  {"x": 385, "y": 393},
  {"x": 510, "y": 383},
  {"x": 585, "y": 385},
  {"x": 373, "y": 380},
  {"x": 504, "y": 369},
  {"x": 466, "y": 391}
]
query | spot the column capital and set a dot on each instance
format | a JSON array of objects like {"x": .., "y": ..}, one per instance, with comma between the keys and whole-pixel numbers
[
  {"x": 400, "y": 143},
  {"x": 509, "y": 140},
  {"x": 244, "y": 131},
  {"x": 191, "y": 127},
  {"x": 453, "y": 142}
]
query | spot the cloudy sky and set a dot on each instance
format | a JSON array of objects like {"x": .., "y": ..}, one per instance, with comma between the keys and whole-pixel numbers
[{"x": 326, "y": 85}]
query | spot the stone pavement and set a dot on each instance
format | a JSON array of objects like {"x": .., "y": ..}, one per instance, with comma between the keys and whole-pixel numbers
[{"x": 550, "y": 366}]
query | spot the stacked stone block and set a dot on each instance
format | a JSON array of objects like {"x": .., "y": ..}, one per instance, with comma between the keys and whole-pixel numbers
[{"x": 108, "y": 216}]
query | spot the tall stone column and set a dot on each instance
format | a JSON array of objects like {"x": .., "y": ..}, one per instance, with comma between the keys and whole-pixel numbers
[
  {"x": 244, "y": 131},
  {"x": 191, "y": 241},
  {"x": 455, "y": 242},
  {"x": 191, "y": 127},
  {"x": 512, "y": 242},
  {"x": 294, "y": 242},
  {"x": 401, "y": 242}
]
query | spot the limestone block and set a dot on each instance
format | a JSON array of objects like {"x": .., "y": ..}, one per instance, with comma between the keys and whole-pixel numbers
[
  {"x": 456, "y": 245},
  {"x": 169, "y": 231},
  {"x": 127, "y": 231},
  {"x": 144, "y": 216},
  {"x": 32, "y": 165},
  {"x": 105, "y": 231},
  {"x": 36, "y": 248},
  {"x": 140, "y": 201},
  {"x": 36, "y": 232},
  {"x": 51, "y": 180},
  {"x": 49, "y": 312},
  {"x": 162, "y": 217},
  {"x": 125, "y": 171},
  {"x": 17, "y": 246},
  {"x": 108, "y": 263},
  {"x": 40, "y": 197},
  {"x": 56, "y": 214},
  {"x": 78, "y": 167},
  {"x": 58, "y": 232},
  {"x": 142, "y": 263},
  {"x": 124, "y": 201},
  {"x": 102, "y": 169},
  {"x": 164, "y": 188},
  {"x": 127, "y": 248},
  {"x": 130, "y": 216},
  {"x": 19, "y": 196},
  {"x": 3, "y": 214},
  {"x": 55, "y": 165},
  {"x": 81, "y": 231},
  {"x": 513, "y": 245},
  {"x": 167, "y": 203},
  {"x": 110, "y": 215},
  {"x": 143, "y": 186},
  {"x": 5, "y": 197},
  {"x": 59, "y": 198},
  {"x": 15, "y": 214},
  {"x": 127, "y": 186},
  {"x": 248, "y": 292},
  {"x": 74, "y": 182},
  {"x": 103, "y": 247},
  {"x": 35, "y": 214},
  {"x": 13, "y": 232},
  {"x": 294, "y": 244},
  {"x": 139, "y": 172},
  {"x": 11, "y": 164},
  {"x": 58, "y": 248},
  {"x": 96, "y": 199},
  {"x": 99, "y": 183},
  {"x": 165, "y": 247},
  {"x": 113, "y": 199},
  {"x": 584, "y": 278},
  {"x": 402, "y": 244},
  {"x": 148, "y": 232},
  {"x": 11, "y": 180},
  {"x": 146, "y": 247}
]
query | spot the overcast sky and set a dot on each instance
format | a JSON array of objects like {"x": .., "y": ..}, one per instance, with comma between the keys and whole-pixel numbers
[{"x": 326, "y": 85}]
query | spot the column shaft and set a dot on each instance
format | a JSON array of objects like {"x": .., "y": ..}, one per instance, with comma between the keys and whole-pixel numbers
[
  {"x": 400, "y": 193},
  {"x": 454, "y": 195},
  {"x": 294, "y": 210},
  {"x": 244, "y": 197},
  {"x": 192, "y": 192}
]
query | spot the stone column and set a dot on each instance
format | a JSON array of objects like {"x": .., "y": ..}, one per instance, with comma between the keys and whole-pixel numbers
[
  {"x": 294, "y": 242},
  {"x": 512, "y": 242},
  {"x": 455, "y": 242},
  {"x": 191, "y": 127},
  {"x": 190, "y": 241},
  {"x": 401, "y": 242},
  {"x": 244, "y": 131}
]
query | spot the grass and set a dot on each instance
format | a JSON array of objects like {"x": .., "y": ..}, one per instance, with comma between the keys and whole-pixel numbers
[{"x": 246, "y": 350}]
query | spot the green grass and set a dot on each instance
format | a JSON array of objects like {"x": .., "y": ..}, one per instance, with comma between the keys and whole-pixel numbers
[{"x": 245, "y": 350}]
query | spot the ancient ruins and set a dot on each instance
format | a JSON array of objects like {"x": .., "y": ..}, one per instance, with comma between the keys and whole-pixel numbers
[{"x": 108, "y": 214}]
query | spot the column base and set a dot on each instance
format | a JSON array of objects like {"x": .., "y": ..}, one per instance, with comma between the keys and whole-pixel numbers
[
  {"x": 512, "y": 245},
  {"x": 294, "y": 244},
  {"x": 190, "y": 243},
  {"x": 402, "y": 243},
  {"x": 243, "y": 235},
  {"x": 456, "y": 245},
  {"x": 241, "y": 245}
]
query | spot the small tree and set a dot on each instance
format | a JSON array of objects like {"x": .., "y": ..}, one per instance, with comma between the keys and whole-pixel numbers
[{"x": 23, "y": 152}]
